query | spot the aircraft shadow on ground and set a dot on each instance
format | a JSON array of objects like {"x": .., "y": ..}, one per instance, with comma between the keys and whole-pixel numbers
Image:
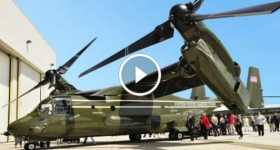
[{"x": 155, "y": 144}]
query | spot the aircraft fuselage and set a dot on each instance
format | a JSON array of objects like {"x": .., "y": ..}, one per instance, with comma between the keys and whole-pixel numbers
[{"x": 75, "y": 117}]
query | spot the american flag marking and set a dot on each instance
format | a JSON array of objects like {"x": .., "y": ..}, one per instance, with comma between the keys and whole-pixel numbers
[{"x": 254, "y": 79}]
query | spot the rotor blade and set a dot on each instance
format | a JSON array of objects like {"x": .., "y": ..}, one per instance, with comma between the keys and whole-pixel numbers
[
  {"x": 43, "y": 82},
  {"x": 197, "y": 4},
  {"x": 160, "y": 33},
  {"x": 249, "y": 11},
  {"x": 64, "y": 68}
]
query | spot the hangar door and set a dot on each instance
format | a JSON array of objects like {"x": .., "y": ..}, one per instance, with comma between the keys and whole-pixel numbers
[
  {"x": 4, "y": 93},
  {"x": 28, "y": 78}
]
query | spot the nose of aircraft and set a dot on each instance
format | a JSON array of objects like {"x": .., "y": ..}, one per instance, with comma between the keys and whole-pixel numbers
[
  {"x": 25, "y": 126},
  {"x": 7, "y": 133},
  {"x": 11, "y": 129},
  {"x": 19, "y": 127}
]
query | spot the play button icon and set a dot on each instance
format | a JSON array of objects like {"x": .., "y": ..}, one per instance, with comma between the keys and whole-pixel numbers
[
  {"x": 139, "y": 74},
  {"x": 135, "y": 75}
]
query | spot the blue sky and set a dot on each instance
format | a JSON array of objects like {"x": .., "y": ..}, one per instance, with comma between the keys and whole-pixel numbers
[{"x": 67, "y": 25}]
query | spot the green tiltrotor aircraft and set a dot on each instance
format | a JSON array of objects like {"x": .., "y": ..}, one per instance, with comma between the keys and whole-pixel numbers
[{"x": 71, "y": 113}]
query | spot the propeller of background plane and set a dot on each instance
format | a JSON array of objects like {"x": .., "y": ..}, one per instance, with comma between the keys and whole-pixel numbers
[
  {"x": 187, "y": 13},
  {"x": 50, "y": 75},
  {"x": 271, "y": 96}
]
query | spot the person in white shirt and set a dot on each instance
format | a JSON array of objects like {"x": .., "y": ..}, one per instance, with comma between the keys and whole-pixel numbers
[
  {"x": 246, "y": 124},
  {"x": 260, "y": 121},
  {"x": 215, "y": 121}
]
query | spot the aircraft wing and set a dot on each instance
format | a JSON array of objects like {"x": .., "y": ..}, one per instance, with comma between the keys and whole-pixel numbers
[{"x": 173, "y": 80}]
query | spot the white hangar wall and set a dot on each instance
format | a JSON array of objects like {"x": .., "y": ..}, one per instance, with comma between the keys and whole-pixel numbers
[
  {"x": 21, "y": 65},
  {"x": 4, "y": 91}
]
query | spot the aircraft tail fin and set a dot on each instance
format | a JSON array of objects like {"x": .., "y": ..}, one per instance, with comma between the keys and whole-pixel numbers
[
  {"x": 198, "y": 93},
  {"x": 255, "y": 88}
]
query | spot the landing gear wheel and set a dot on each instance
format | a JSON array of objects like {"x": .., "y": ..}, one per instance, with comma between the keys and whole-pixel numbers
[
  {"x": 175, "y": 135},
  {"x": 30, "y": 146},
  {"x": 135, "y": 137},
  {"x": 180, "y": 136}
]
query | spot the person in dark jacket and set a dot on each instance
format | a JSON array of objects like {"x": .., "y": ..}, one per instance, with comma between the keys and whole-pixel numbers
[
  {"x": 238, "y": 126},
  {"x": 275, "y": 120},
  {"x": 190, "y": 124},
  {"x": 223, "y": 125}
]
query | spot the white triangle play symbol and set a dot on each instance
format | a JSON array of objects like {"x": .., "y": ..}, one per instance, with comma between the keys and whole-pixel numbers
[{"x": 139, "y": 74}]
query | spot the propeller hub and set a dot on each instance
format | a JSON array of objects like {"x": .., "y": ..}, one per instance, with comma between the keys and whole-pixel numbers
[
  {"x": 50, "y": 73},
  {"x": 180, "y": 10}
]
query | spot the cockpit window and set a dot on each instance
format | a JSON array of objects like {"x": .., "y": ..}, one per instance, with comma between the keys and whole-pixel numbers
[{"x": 62, "y": 106}]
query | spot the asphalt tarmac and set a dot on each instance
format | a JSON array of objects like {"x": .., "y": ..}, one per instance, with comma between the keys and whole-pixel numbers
[{"x": 251, "y": 141}]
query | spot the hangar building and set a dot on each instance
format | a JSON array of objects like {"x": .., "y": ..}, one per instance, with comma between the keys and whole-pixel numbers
[{"x": 24, "y": 57}]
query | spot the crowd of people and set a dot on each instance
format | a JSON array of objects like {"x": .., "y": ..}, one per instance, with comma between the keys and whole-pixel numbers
[{"x": 230, "y": 124}]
